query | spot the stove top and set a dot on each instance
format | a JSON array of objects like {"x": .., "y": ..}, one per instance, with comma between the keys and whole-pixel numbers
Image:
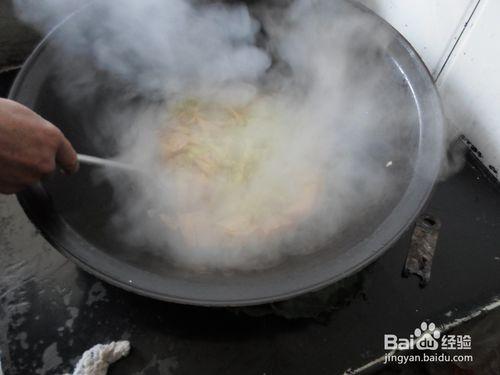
[{"x": 51, "y": 312}]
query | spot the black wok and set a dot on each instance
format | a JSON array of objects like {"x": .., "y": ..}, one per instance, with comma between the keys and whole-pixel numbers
[{"x": 73, "y": 213}]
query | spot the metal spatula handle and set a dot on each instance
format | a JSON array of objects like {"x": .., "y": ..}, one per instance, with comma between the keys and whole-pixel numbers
[{"x": 104, "y": 163}]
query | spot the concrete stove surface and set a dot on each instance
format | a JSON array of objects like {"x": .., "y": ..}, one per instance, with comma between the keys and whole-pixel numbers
[{"x": 51, "y": 312}]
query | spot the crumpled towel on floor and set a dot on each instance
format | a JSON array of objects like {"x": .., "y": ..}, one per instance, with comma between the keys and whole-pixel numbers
[{"x": 96, "y": 361}]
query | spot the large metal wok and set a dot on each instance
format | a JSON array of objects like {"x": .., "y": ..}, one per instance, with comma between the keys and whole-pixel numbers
[{"x": 73, "y": 212}]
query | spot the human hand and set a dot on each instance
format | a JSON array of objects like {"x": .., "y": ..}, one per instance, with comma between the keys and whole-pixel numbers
[{"x": 30, "y": 148}]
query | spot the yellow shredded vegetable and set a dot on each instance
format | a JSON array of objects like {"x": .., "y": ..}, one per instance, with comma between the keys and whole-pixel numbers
[{"x": 226, "y": 150}]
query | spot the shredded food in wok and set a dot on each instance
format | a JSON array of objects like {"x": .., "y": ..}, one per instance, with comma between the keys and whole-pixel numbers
[{"x": 224, "y": 151}]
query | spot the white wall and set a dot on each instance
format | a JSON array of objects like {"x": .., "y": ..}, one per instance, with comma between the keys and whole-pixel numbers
[
  {"x": 431, "y": 26},
  {"x": 459, "y": 40},
  {"x": 470, "y": 83}
]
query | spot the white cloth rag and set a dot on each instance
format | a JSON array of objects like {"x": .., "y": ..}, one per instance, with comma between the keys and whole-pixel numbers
[{"x": 96, "y": 361}]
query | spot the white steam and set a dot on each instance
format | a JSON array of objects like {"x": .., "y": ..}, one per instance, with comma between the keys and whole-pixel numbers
[{"x": 331, "y": 121}]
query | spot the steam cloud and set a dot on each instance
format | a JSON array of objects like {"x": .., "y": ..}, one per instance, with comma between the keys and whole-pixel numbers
[{"x": 336, "y": 118}]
